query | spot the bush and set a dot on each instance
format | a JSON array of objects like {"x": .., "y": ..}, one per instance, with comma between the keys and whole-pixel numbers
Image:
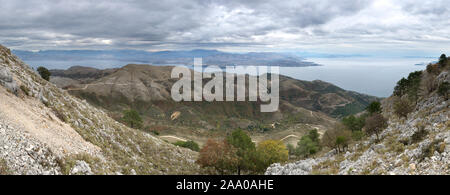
[
  {"x": 291, "y": 149},
  {"x": 218, "y": 155},
  {"x": 432, "y": 69},
  {"x": 354, "y": 123},
  {"x": 420, "y": 134},
  {"x": 402, "y": 107},
  {"x": 443, "y": 89},
  {"x": 374, "y": 107},
  {"x": 308, "y": 144},
  {"x": 4, "y": 170},
  {"x": 25, "y": 90},
  {"x": 270, "y": 152},
  {"x": 188, "y": 144},
  {"x": 342, "y": 142},
  {"x": 44, "y": 72},
  {"x": 357, "y": 135},
  {"x": 375, "y": 124},
  {"x": 306, "y": 147}
]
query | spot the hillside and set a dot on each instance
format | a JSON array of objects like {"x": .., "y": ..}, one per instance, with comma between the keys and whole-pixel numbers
[
  {"x": 416, "y": 144},
  {"x": 45, "y": 130},
  {"x": 147, "y": 89}
]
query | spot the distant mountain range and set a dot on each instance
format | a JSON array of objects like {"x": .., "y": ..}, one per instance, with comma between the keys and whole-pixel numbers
[{"x": 210, "y": 57}]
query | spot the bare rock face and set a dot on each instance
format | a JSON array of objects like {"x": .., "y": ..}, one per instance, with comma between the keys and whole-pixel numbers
[
  {"x": 6, "y": 80},
  {"x": 81, "y": 168}
]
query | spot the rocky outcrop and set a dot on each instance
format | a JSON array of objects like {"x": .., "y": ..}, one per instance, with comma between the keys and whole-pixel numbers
[
  {"x": 419, "y": 144},
  {"x": 6, "y": 80}
]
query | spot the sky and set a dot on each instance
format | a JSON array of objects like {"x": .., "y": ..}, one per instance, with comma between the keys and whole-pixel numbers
[{"x": 366, "y": 27}]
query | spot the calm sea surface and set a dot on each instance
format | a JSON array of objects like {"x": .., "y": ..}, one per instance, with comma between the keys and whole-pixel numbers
[{"x": 373, "y": 76}]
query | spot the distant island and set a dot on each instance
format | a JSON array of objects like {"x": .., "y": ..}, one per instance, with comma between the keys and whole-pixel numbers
[{"x": 164, "y": 58}]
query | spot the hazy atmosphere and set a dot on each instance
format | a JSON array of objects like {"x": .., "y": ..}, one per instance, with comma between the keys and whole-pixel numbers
[{"x": 194, "y": 88}]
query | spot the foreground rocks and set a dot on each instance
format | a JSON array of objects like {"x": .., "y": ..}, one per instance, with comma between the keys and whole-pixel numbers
[{"x": 419, "y": 144}]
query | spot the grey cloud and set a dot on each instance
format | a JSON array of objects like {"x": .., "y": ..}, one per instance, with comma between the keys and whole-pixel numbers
[{"x": 185, "y": 24}]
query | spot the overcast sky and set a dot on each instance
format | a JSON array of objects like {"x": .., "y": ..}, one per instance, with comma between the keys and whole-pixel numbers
[{"x": 403, "y": 27}]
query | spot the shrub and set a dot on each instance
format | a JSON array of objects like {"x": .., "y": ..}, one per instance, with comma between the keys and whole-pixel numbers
[
  {"x": 420, "y": 134},
  {"x": 309, "y": 144},
  {"x": 218, "y": 155},
  {"x": 375, "y": 124},
  {"x": 306, "y": 146},
  {"x": 4, "y": 170},
  {"x": 374, "y": 107},
  {"x": 188, "y": 144},
  {"x": 25, "y": 90},
  {"x": 357, "y": 135},
  {"x": 291, "y": 149},
  {"x": 44, "y": 72},
  {"x": 432, "y": 69},
  {"x": 272, "y": 151},
  {"x": 443, "y": 89},
  {"x": 354, "y": 123},
  {"x": 342, "y": 142},
  {"x": 402, "y": 107},
  {"x": 132, "y": 119}
]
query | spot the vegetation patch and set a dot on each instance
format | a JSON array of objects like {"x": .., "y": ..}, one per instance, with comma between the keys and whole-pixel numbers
[
  {"x": 4, "y": 170},
  {"x": 66, "y": 164}
]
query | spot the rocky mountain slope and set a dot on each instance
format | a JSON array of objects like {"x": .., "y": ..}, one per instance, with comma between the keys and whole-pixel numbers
[
  {"x": 45, "y": 130},
  {"x": 418, "y": 144}
]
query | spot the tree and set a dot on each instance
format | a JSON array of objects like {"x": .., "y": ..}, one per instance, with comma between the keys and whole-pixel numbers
[
  {"x": 245, "y": 150},
  {"x": 410, "y": 86},
  {"x": 218, "y": 155},
  {"x": 443, "y": 60},
  {"x": 272, "y": 151},
  {"x": 306, "y": 146},
  {"x": 402, "y": 107},
  {"x": 342, "y": 142},
  {"x": 188, "y": 144},
  {"x": 375, "y": 124},
  {"x": 330, "y": 138},
  {"x": 314, "y": 135},
  {"x": 309, "y": 144},
  {"x": 44, "y": 72},
  {"x": 354, "y": 123},
  {"x": 374, "y": 107},
  {"x": 414, "y": 80},
  {"x": 443, "y": 89},
  {"x": 132, "y": 119},
  {"x": 400, "y": 88}
]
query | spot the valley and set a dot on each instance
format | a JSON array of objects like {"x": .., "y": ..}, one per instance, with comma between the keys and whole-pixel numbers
[{"x": 145, "y": 88}]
